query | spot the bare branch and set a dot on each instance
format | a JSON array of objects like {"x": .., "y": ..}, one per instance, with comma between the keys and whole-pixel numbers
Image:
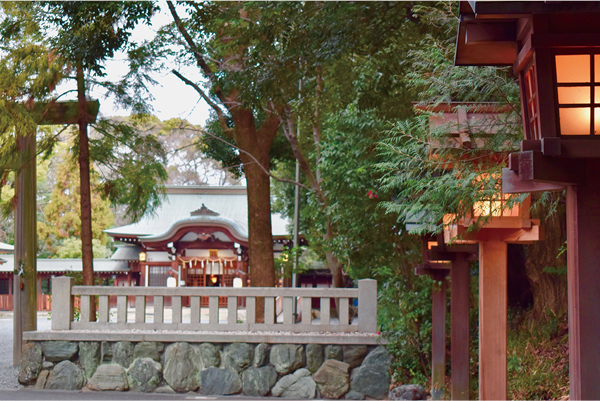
[
  {"x": 192, "y": 45},
  {"x": 267, "y": 172},
  {"x": 216, "y": 108},
  {"x": 290, "y": 134}
]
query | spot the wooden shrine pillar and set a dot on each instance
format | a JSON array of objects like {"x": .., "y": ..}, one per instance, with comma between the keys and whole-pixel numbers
[
  {"x": 492, "y": 319},
  {"x": 459, "y": 331},
  {"x": 583, "y": 261},
  {"x": 25, "y": 288},
  {"x": 455, "y": 261},
  {"x": 438, "y": 328},
  {"x": 25, "y": 281}
]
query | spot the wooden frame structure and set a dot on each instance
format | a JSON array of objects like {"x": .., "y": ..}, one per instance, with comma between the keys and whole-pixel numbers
[
  {"x": 490, "y": 244},
  {"x": 532, "y": 37}
]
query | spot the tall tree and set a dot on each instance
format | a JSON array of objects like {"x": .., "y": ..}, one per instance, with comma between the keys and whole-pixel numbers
[
  {"x": 85, "y": 35},
  {"x": 214, "y": 38}
]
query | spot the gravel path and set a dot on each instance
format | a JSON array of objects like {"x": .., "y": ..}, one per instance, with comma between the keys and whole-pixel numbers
[{"x": 8, "y": 372}]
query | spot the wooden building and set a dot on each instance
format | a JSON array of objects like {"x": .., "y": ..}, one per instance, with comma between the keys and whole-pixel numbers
[{"x": 197, "y": 237}]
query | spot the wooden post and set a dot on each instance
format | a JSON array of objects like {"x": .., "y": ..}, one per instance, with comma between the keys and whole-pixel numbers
[
  {"x": 492, "y": 319},
  {"x": 438, "y": 327},
  {"x": 583, "y": 256},
  {"x": 459, "y": 314},
  {"x": 25, "y": 312}
]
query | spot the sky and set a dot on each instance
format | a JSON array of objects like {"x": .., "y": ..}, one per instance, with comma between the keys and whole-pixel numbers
[{"x": 172, "y": 98}]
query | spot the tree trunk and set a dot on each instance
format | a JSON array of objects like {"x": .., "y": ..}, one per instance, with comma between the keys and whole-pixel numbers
[
  {"x": 260, "y": 238},
  {"x": 549, "y": 287},
  {"x": 87, "y": 255}
]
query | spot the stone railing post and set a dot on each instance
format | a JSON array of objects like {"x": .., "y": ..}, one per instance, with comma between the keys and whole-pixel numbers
[
  {"x": 62, "y": 303},
  {"x": 367, "y": 306}
]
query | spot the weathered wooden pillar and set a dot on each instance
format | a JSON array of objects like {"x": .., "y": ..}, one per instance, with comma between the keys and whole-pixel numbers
[
  {"x": 492, "y": 319},
  {"x": 25, "y": 288},
  {"x": 459, "y": 315},
  {"x": 438, "y": 328},
  {"x": 583, "y": 260}
]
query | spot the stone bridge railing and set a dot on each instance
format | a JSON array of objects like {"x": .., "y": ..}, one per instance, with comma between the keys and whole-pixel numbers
[{"x": 346, "y": 321}]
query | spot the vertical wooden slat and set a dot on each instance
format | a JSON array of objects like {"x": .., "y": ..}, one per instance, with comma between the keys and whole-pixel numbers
[
  {"x": 306, "y": 310},
  {"x": 232, "y": 310},
  {"x": 194, "y": 309},
  {"x": 325, "y": 308},
  {"x": 159, "y": 313},
  {"x": 438, "y": 337},
  {"x": 250, "y": 310},
  {"x": 459, "y": 332},
  {"x": 583, "y": 280},
  {"x": 121, "y": 309},
  {"x": 213, "y": 310},
  {"x": 269, "y": 310},
  {"x": 288, "y": 310},
  {"x": 344, "y": 311},
  {"x": 103, "y": 309},
  {"x": 492, "y": 320},
  {"x": 84, "y": 315},
  {"x": 176, "y": 309},
  {"x": 140, "y": 309}
]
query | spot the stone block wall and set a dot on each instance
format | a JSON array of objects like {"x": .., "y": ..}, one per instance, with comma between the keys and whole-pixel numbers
[{"x": 279, "y": 370}]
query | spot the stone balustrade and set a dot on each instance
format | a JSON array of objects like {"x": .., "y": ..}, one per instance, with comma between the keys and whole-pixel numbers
[{"x": 344, "y": 319}]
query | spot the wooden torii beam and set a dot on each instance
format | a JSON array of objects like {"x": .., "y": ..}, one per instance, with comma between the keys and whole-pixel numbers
[{"x": 25, "y": 277}]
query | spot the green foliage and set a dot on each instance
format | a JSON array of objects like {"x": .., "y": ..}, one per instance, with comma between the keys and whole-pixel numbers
[
  {"x": 132, "y": 163},
  {"x": 61, "y": 216},
  {"x": 427, "y": 168},
  {"x": 405, "y": 318},
  {"x": 70, "y": 248},
  {"x": 538, "y": 361},
  {"x": 284, "y": 264}
]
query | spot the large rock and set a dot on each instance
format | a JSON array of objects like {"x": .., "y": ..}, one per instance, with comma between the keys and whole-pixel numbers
[
  {"x": 297, "y": 385},
  {"x": 314, "y": 357},
  {"x": 144, "y": 375},
  {"x": 305, "y": 387},
  {"x": 332, "y": 379},
  {"x": 110, "y": 376},
  {"x": 257, "y": 382},
  {"x": 181, "y": 367},
  {"x": 408, "y": 392},
  {"x": 286, "y": 381},
  {"x": 148, "y": 349},
  {"x": 334, "y": 352},
  {"x": 122, "y": 353},
  {"x": 238, "y": 356},
  {"x": 41, "y": 380},
  {"x": 370, "y": 380},
  {"x": 31, "y": 363},
  {"x": 166, "y": 389},
  {"x": 378, "y": 357},
  {"x": 66, "y": 376},
  {"x": 261, "y": 355},
  {"x": 354, "y": 354},
  {"x": 89, "y": 357},
  {"x": 287, "y": 358},
  {"x": 209, "y": 354},
  {"x": 56, "y": 351},
  {"x": 354, "y": 395},
  {"x": 215, "y": 381}
]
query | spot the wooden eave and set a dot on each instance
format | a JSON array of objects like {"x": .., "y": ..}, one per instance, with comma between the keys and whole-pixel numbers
[{"x": 499, "y": 33}]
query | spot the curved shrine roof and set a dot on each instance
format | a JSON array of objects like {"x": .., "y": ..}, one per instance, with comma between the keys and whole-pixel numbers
[{"x": 211, "y": 205}]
